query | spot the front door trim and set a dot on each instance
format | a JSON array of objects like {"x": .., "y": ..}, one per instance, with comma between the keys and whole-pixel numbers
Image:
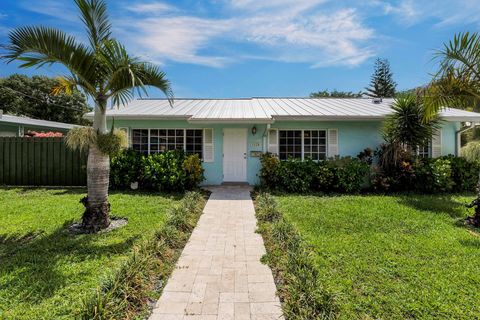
[{"x": 235, "y": 154}]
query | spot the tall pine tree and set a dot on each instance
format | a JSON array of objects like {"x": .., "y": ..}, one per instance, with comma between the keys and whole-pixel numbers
[{"x": 382, "y": 84}]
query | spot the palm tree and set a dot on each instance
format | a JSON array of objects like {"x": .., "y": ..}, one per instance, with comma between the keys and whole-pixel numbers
[
  {"x": 406, "y": 125},
  {"x": 103, "y": 70},
  {"x": 457, "y": 84}
]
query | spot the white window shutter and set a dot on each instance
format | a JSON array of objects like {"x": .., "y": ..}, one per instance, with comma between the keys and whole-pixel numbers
[
  {"x": 273, "y": 141},
  {"x": 437, "y": 144},
  {"x": 208, "y": 148},
  {"x": 332, "y": 143}
]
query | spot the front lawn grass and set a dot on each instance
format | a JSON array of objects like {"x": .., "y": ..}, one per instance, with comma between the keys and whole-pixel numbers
[
  {"x": 392, "y": 257},
  {"x": 46, "y": 273}
]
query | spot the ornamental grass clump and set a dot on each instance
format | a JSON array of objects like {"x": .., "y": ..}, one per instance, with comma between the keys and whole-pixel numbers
[
  {"x": 301, "y": 292},
  {"x": 125, "y": 294}
]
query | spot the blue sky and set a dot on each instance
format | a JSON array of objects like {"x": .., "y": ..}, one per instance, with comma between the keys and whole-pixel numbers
[{"x": 244, "y": 48}]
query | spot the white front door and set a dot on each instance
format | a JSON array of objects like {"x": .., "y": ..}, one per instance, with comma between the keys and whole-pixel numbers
[{"x": 235, "y": 155}]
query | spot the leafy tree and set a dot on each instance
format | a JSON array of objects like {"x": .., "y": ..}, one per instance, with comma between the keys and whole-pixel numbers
[
  {"x": 413, "y": 91},
  {"x": 335, "y": 94},
  {"x": 104, "y": 71},
  {"x": 381, "y": 83},
  {"x": 406, "y": 125},
  {"x": 32, "y": 97},
  {"x": 457, "y": 84}
]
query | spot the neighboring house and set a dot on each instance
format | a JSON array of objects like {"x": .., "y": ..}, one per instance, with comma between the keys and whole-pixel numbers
[
  {"x": 231, "y": 134},
  {"x": 16, "y": 126}
]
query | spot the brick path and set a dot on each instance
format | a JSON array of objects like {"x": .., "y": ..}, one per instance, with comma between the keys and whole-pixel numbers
[{"x": 219, "y": 274}]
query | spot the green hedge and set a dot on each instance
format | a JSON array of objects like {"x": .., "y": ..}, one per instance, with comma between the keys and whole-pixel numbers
[
  {"x": 169, "y": 171},
  {"x": 352, "y": 175},
  {"x": 340, "y": 175}
]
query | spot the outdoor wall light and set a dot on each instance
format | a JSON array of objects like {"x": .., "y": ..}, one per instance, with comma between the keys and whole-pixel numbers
[{"x": 254, "y": 130}]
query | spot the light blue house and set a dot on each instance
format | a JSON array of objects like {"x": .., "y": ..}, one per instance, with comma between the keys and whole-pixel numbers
[{"x": 231, "y": 134}]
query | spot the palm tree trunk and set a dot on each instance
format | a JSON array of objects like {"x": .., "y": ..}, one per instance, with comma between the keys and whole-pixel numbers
[{"x": 97, "y": 207}]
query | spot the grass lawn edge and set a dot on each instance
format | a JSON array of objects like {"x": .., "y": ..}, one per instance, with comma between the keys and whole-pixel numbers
[
  {"x": 289, "y": 256},
  {"x": 133, "y": 289}
]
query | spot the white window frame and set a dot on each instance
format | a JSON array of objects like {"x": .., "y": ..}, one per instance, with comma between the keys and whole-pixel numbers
[
  {"x": 431, "y": 146},
  {"x": 303, "y": 144},
  {"x": 163, "y": 128},
  {"x": 429, "y": 155}
]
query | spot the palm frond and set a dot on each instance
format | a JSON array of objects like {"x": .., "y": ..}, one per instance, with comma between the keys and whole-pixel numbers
[
  {"x": 452, "y": 90},
  {"x": 462, "y": 53},
  {"x": 37, "y": 46},
  {"x": 127, "y": 74},
  {"x": 95, "y": 18},
  {"x": 64, "y": 85},
  {"x": 406, "y": 125}
]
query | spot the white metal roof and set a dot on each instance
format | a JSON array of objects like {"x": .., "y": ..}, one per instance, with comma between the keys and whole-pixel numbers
[
  {"x": 6, "y": 118},
  {"x": 267, "y": 110}
]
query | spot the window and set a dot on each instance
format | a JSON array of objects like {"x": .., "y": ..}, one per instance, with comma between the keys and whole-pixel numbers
[
  {"x": 194, "y": 142},
  {"x": 140, "y": 140},
  {"x": 302, "y": 144},
  {"x": 161, "y": 140},
  {"x": 290, "y": 142},
  {"x": 424, "y": 151},
  {"x": 315, "y": 144},
  {"x": 166, "y": 139}
]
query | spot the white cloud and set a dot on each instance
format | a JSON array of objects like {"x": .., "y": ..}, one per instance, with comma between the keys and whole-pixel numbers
[
  {"x": 444, "y": 12},
  {"x": 151, "y": 8},
  {"x": 284, "y": 30},
  {"x": 406, "y": 11},
  {"x": 178, "y": 38},
  {"x": 254, "y": 5},
  {"x": 62, "y": 10}
]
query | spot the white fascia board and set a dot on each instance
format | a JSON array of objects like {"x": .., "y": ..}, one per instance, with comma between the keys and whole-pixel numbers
[
  {"x": 39, "y": 123},
  {"x": 461, "y": 119},
  {"x": 139, "y": 117},
  {"x": 328, "y": 118},
  {"x": 231, "y": 121}
]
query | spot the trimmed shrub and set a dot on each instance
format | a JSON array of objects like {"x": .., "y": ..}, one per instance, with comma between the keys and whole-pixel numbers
[
  {"x": 323, "y": 177},
  {"x": 296, "y": 175},
  {"x": 433, "y": 175},
  {"x": 192, "y": 165},
  {"x": 341, "y": 174},
  {"x": 170, "y": 171},
  {"x": 126, "y": 168},
  {"x": 464, "y": 173},
  {"x": 351, "y": 175},
  {"x": 270, "y": 170}
]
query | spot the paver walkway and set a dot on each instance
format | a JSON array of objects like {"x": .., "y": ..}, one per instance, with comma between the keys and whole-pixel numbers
[{"x": 219, "y": 274}]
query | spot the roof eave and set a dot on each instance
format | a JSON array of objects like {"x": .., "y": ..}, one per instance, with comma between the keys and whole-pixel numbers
[
  {"x": 42, "y": 125},
  {"x": 139, "y": 117},
  {"x": 232, "y": 121},
  {"x": 461, "y": 118},
  {"x": 328, "y": 118}
]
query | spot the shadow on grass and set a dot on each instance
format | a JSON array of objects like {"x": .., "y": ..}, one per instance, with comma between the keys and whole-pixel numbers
[
  {"x": 474, "y": 243},
  {"x": 435, "y": 203},
  {"x": 36, "y": 267}
]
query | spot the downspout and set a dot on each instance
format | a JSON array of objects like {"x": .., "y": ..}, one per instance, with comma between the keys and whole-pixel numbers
[{"x": 458, "y": 135}]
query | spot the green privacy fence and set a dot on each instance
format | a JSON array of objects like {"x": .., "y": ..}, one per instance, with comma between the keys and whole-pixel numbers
[{"x": 40, "y": 162}]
